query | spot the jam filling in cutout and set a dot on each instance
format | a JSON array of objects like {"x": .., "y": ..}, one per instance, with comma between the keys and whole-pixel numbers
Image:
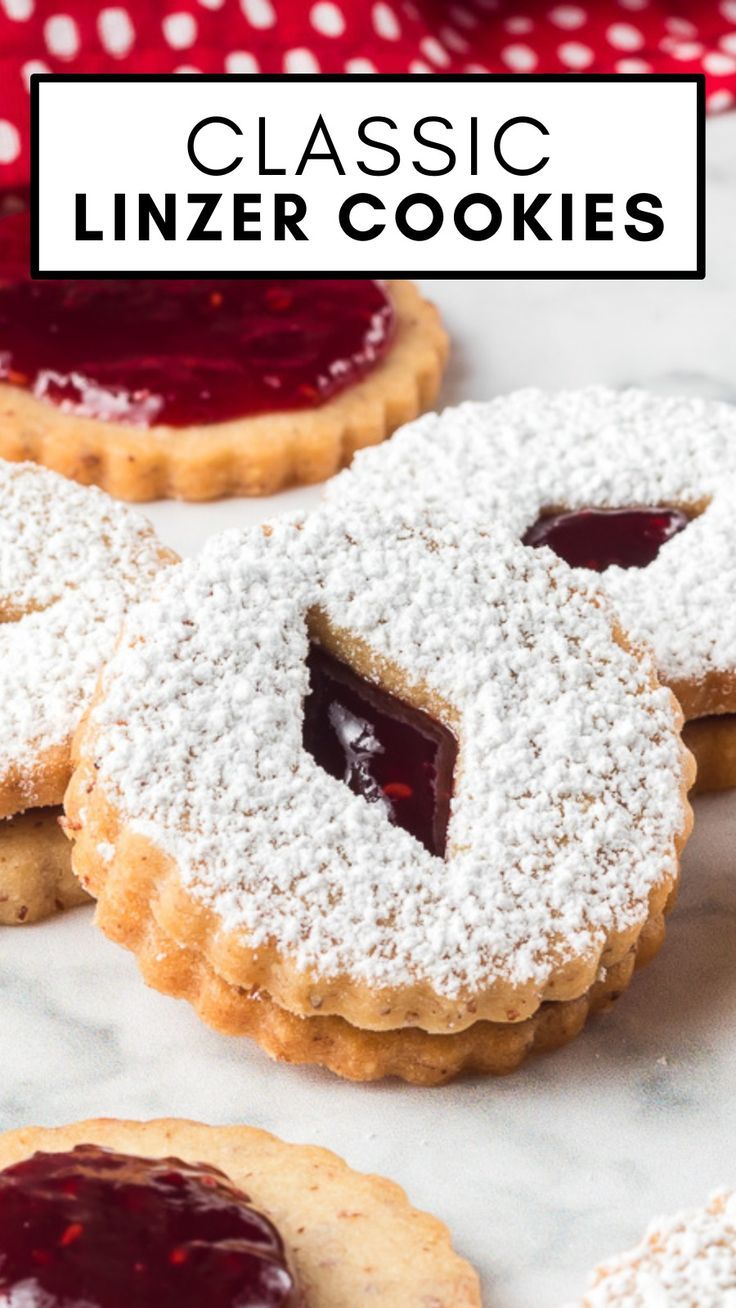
[
  {"x": 383, "y": 749},
  {"x": 183, "y": 352},
  {"x": 601, "y": 538},
  {"x": 104, "y": 1230}
]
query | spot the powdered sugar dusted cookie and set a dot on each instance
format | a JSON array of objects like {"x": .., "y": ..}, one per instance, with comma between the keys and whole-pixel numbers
[
  {"x": 636, "y": 491},
  {"x": 685, "y": 1261},
  {"x": 219, "y": 1211},
  {"x": 71, "y": 562},
  {"x": 395, "y": 772}
]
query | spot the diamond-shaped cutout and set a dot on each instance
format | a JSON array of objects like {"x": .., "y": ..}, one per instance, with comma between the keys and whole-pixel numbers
[
  {"x": 601, "y": 538},
  {"x": 382, "y": 748}
]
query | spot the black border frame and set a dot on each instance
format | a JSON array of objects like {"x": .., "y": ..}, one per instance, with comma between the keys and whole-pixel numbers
[{"x": 698, "y": 273}]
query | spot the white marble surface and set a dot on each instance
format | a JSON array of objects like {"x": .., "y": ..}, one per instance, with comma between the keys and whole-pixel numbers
[{"x": 543, "y": 1173}]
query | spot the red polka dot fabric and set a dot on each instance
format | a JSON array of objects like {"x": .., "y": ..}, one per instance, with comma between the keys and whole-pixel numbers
[{"x": 354, "y": 36}]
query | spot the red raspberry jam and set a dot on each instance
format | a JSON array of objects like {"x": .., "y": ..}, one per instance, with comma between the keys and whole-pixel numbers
[
  {"x": 186, "y": 352},
  {"x": 182, "y": 352},
  {"x": 601, "y": 538},
  {"x": 388, "y": 752},
  {"x": 96, "y": 1229}
]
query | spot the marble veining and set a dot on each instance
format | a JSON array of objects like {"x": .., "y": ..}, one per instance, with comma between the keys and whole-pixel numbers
[{"x": 542, "y": 1174}]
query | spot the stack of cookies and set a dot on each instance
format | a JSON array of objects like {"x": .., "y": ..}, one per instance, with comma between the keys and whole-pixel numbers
[{"x": 396, "y": 789}]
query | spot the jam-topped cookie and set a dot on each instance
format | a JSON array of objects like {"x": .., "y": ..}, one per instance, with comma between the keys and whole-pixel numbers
[
  {"x": 391, "y": 776},
  {"x": 684, "y": 1261},
  {"x": 636, "y": 492},
  {"x": 199, "y": 389},
  {"x": 71, "y": 563},
  {"x": 109, "y": 1229},
  {"x": 170, "y": 1214}
]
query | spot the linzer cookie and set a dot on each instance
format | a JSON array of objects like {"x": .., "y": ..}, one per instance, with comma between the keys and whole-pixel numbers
[
  {"x": 391, "y": 796},
  {"x": 636, "y": 492},
  {"x": 199, "y": 389},
  {"x": 71, "y": 562},
  {"x": 685, "y": 1261},
  {"x": 172, "y": 1212}
]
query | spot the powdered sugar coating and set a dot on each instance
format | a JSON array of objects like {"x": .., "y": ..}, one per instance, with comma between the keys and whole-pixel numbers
[
  {"x": 685, "y": 1261},
  {"x": 71, "y": 562},
  {"x": 530, "y": 451},
  {"x": 567, "y": 798}
]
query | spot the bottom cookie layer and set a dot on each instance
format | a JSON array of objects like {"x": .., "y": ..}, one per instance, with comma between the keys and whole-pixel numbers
[
  {"x": 36, "y": 877},
  {"x": 355, "y": 1239},
  {"x": 713, "y": 742},
  {"x": 489, "y": 1048}
]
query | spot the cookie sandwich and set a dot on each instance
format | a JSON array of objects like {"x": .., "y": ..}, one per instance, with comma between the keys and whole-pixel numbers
[{"x": 389, "y": 795}]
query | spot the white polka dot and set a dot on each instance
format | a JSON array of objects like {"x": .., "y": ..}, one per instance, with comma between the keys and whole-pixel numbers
[
  {"x": 116, "y": 31},
  {"x": 476, "y": 68},
  {"x": 212, "y": 4},
  {"x": 622, "y": 36},
  {"x": 680, "y": 27},
  {"x": 187, "y": 68},
  {"x": 360, "y": 66},
  {"x": 568, "y": 17},
  {"x": 728, "y": 42},
  {"x": 518, "y": 26},
  {"x": 719, "y": 65},
  {"x": 463, "y": 16},
  {"x": 180, "y": 30},
  {"x": 61, "y": 36},
  {"x": 18, "y": 10},
  {"x": 385, "y": 22},
  {"x": 260, "y": 13},
  {"x": 521, "y": 58},
  {"x": 241, "y": 61},
  {"x": 419, "y": 66},
  {"x": 728, "y": 9},
  {"x": 683, "y": 50},
  {"x": 9, "y": 142},
  {"x": 633, "y": 66},
  {"x": 633, "y": 5},
  {"x": 33, "y": 66},
  {"x": 326, "y": 18},
  {"x": 453, "y": 40},
  {"x": 575, "y": 55},
  {"x": 432, "y": 50},
  {"x": 300, "y": 61},
  {"x": 719, "y": 101}
]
